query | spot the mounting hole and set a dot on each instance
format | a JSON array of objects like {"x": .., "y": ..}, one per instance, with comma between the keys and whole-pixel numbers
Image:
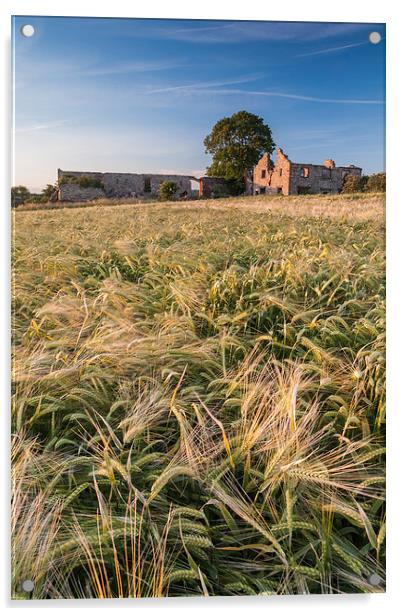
[
  {"x": 374, "y": 37},
  {"x": 374, "y": 579},
  {"x": 27, "y": 30},
  {"x": 27, "y": 585}
]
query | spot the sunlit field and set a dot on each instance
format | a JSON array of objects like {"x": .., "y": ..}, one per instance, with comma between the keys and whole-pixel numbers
[{"x": 199, "y": 398}]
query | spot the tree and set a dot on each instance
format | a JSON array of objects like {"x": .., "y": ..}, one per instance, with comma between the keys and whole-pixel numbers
[
  {"x": 351, "y": 184},
  {"x": 376, "y": 182},
  {"x": 48, "y": 193},
  {"x": 236, "y": 144},
  {"x": 19, "y": 195},
  {"x": 167, "y": 190}
]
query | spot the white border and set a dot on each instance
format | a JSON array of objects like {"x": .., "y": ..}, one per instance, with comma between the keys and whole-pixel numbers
[{"x": 388, "y": 11}]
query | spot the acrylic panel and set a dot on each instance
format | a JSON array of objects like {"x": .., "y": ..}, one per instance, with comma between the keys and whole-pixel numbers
[{"x": 198, "y": 278}]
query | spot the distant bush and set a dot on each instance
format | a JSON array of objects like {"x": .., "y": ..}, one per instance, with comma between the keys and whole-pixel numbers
[
  {"x": 167, "y": 190},
  {"x": 363, "y": 183},
  {"x": 351, "y": 184},
  {"x": 49, "y": 193},
  {"x": 366, "y": 183},
  {"x": 36, "y": 198},
  {"x": 376, "y": 182},
  {"x": 19, "y": 195}
]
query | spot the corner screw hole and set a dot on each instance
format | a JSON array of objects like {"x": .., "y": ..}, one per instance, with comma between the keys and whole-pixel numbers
[
  {"x": 27, "y": 585},
  {"x": 374, "y": 38},
  {"x": 27, "y": 30}
]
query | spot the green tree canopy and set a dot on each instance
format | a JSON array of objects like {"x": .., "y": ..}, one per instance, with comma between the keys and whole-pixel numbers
[
  {"x": 19, "y": 195},
  {"x": 48, "y": 193},
  {"x": 236, "y": 144}
]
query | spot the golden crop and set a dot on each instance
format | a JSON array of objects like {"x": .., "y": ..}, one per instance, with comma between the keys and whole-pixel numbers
[{"x": 199, "y": 398}]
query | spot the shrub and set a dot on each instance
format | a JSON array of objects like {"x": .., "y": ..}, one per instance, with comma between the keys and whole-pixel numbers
[
  {"x": 167, "y": 190},
  {"x": 19, "y": 195},
  {"x": 367, "y": 183},
  {"x": 376, "y": 182},
  {"x": 351, "y": 184}
]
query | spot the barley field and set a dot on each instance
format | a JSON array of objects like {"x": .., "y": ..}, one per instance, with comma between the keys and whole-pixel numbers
[{"x": 198, "y": 398}]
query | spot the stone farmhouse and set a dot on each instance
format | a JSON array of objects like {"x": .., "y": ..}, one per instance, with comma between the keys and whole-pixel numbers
[{"x": 289, "y": 178}]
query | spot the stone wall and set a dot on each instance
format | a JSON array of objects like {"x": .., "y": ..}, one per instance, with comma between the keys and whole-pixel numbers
[
  {"x": 117, "y": 185},
  {"x": 73, "y": 192},
  {"x": 315, "y": 179},
  {"x": 289, "y": 178},
  {"x": 261, "y": 174},
  {"x": 213, "y": 187},
  {"x": 273, "y": 179},
  {"x": 280, "y": 178}
]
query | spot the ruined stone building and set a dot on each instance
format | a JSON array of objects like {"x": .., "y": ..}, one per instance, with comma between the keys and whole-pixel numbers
[
  {"x": 284, "y": 177},
  {"x": 289, "y": 178},
  {"x": 89, "y": 185}
]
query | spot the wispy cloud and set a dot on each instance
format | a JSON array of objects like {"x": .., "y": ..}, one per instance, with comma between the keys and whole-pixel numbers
[
  {"x": 209, "y": 88},
  {"x": 45, "y": 126},
  {"x": 202, "y": 29},
  {"x": 244, "y": 31},
  {"x": 330, "y": 50},
  {"x": 197, "y": 87},
  {"x": 314, "y": 99},
  {"x": 130, "y": 67},
  {"x": 88, "y": 66}
]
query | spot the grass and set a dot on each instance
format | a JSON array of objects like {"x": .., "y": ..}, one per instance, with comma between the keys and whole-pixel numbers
[{"x": 199, "y": 398}]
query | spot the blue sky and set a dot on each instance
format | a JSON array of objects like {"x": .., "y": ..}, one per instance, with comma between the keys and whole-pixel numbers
[{"x": 140, "y": 95}]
